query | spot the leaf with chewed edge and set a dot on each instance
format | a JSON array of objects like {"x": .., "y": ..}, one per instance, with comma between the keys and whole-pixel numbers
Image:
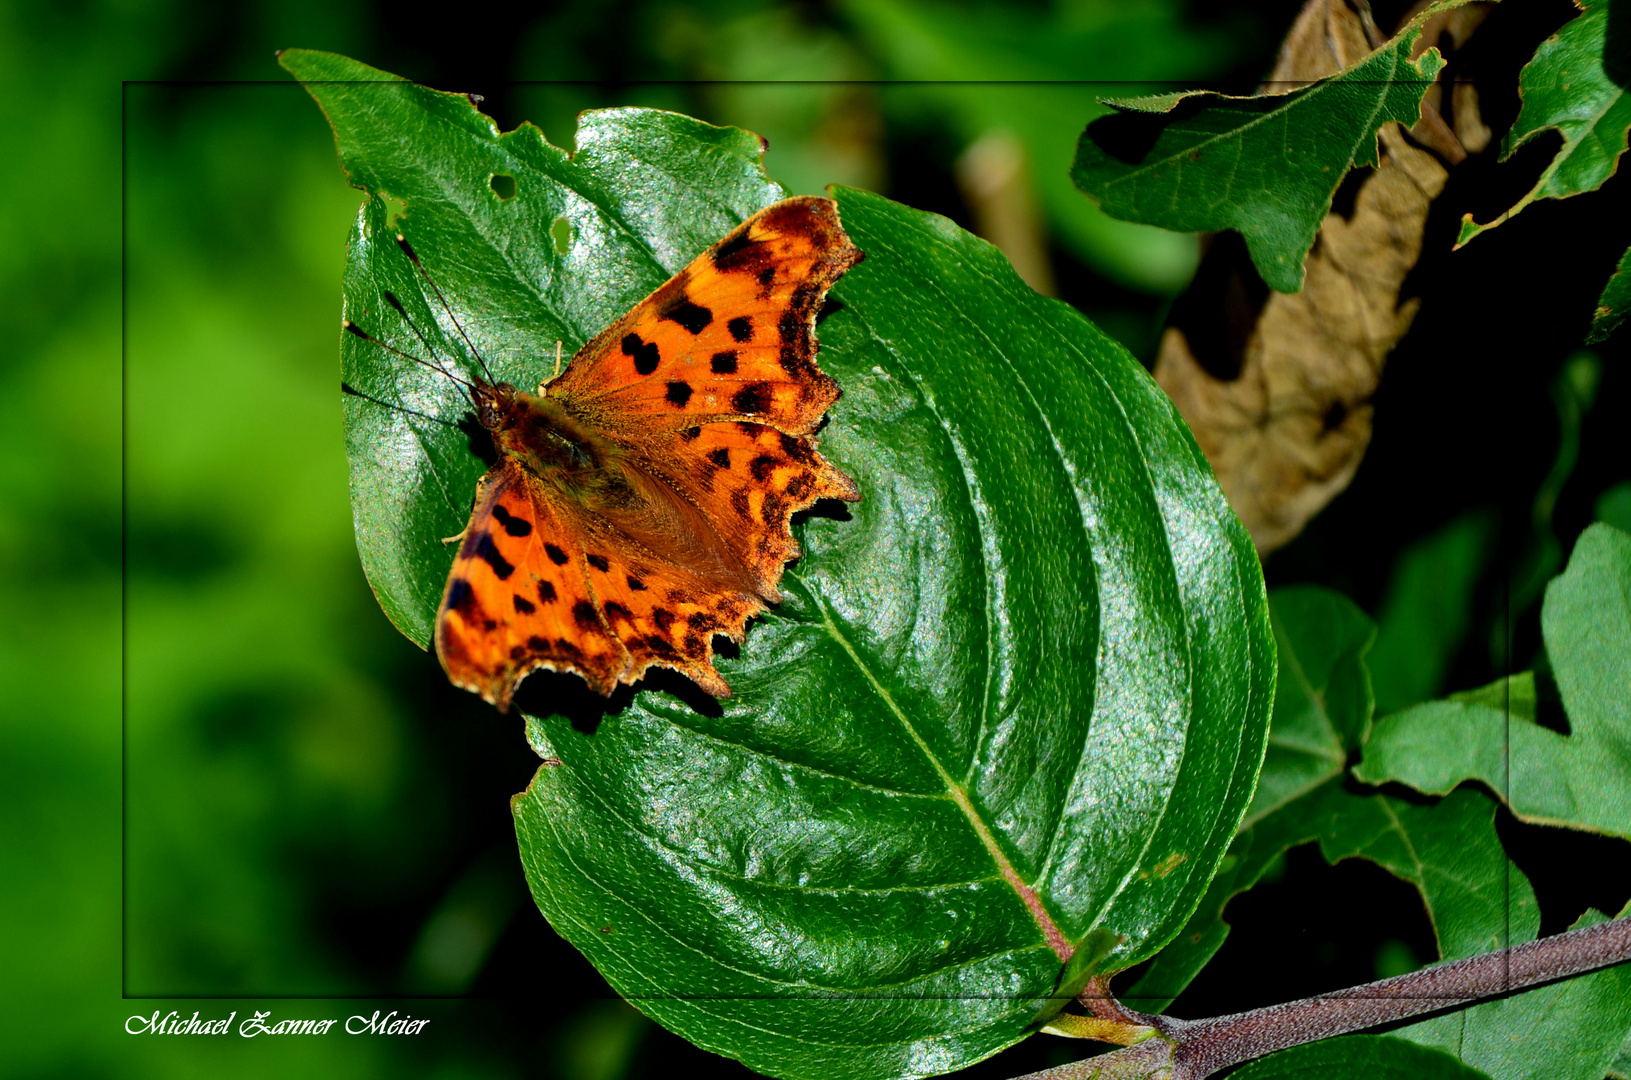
[{"x": 1266, "y": 166}]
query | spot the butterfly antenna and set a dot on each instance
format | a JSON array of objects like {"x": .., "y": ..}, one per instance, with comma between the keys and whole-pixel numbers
[
  {"x": 366, "y": 336},
  {"x": 347, "y": 388},
  {"x": 390, "y": 298},
  {"x": 402, "y": 242}
]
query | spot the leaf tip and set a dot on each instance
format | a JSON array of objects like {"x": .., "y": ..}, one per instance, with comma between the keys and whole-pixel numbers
[{"x": 1469, "y": 229}]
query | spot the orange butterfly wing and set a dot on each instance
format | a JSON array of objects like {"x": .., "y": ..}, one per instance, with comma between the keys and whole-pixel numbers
[
  {"x": 695, "y": 410},
  {"x": 730, "y": 337}
]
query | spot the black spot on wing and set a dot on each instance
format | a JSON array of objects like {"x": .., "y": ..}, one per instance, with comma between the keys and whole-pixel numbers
[
  {"x": 513, "y": 525},
  {"x": 663, "y": 618},
  {"x": 546, "y": 591},
  {"x": 599, "y": 562},
  {"x": 723, "y": 363},
  {"x": 481, "y": 546},
  {"x": 741, "y": 328},
  {"x": 752, "y": 398},
  {"x": 690, "y": 433},
  {"x": 460, "y": 596},
  {"x": 556, "y": 555},
  {"x": 679, "y": 393},
  {"x": 735, "y": 252},
  {"x": 720, "y": 457},
  {"x": 694, "y": 317},
  {"x": 645, "y": 354},
  {"x": 523, "y": 606},
  {"x": 584, "y": 614},
  {"x": 762, "y": 466},
  {"x": 797, "y": 449}
]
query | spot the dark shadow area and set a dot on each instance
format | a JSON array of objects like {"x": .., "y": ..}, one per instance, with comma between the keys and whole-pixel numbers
[
  {"x": 1219, "y": 310},
  {"x": 1570, "y": 871},
  {"x": 1312, "y": 929},
  {"x": 832, "y": 509},
  {"x": 1617, "y": 43},
  {"x": 1128, "y": 137},
  {"x": 481, "y": 440}
]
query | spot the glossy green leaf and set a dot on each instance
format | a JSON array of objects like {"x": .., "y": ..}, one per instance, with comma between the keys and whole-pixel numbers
[
  {"x": 1013, "y": 705},
  {"x": 1581, "y": 780},
  {"x": 1575, "y": 87},
  {"x": 1358, "y": 1057},
  {"x": 1614, "y": 304},
  {"x": 1567, "y": 1030},
  {"x": 1265, "y": 166},
  {"x": 1322, "y": 699}
]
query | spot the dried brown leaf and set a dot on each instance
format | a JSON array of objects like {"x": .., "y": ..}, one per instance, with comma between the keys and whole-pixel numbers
[{"x": 1277, "y": 387}]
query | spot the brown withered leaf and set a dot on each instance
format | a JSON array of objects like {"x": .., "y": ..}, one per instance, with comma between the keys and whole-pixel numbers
[{"x": 1277, "y": 387}]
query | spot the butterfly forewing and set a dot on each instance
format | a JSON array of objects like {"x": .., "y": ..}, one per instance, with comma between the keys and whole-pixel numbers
[{"x": 732, "y": 336}]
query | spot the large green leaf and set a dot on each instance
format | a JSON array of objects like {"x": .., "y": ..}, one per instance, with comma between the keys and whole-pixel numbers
[
  {"x": 1614, "y": 304},
  {"x": 1581, "y": 780},
  {"x": 1358, "y": 1057},
  {"x": 1010, "y": 711},
  {"x": 1265, "y": 166},
  {"x": 1572, "y": 85}
]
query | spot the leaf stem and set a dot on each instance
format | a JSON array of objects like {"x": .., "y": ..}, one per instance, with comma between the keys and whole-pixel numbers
[{"x": 1195, "y": 1049}]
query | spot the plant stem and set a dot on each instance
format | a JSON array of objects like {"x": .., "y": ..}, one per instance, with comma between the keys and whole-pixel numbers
[{"x": 1195, "y": 1049}]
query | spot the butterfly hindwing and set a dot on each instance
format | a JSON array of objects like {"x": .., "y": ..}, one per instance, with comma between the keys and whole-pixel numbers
[
  {"x": 749, "y": 480},
  {"x": 518, "y": 596}
]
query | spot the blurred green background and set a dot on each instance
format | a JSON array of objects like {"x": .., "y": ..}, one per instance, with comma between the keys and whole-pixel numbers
[{"x": 297, "y": 813}]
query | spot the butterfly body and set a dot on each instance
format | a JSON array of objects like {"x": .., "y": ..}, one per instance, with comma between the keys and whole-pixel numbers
[{"x": 640, "y": 501}]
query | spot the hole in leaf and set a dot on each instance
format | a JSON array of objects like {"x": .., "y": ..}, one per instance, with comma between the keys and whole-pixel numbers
[
  {"x": 561, "y": 232},
  {"x": 395, "y": 208},
  {"x": 503, "y": 185}
]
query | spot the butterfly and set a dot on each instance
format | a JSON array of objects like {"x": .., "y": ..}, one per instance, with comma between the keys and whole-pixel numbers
[{"x": 640, "y": 501}]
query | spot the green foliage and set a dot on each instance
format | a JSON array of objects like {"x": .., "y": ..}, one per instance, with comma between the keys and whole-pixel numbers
[
  {"x": 1035, "y": 62},
  {"x": 1581, "y": 780},
  {"x": 1322, "y": 711},
  {"x": 1476, "y": 898},
  {"x": 1322, "y": 699},
  {"x": 1574, "y": 86},
  {"x": 1265, "y": 166},
  {"x": 1614, "y": 304},
  {"x": 1374, "y": 1057},
  {"x": 1039, "y": 652},
  {"x": 1427, "y": 611}
]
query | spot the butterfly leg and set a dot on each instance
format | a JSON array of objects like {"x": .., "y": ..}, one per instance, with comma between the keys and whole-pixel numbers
[
  {"x": 464, "y": 532},
  {"x": 543, "y": 387}
]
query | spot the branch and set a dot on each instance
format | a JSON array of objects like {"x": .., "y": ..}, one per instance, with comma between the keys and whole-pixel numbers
[{"x": 1195, "y": 1049}]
